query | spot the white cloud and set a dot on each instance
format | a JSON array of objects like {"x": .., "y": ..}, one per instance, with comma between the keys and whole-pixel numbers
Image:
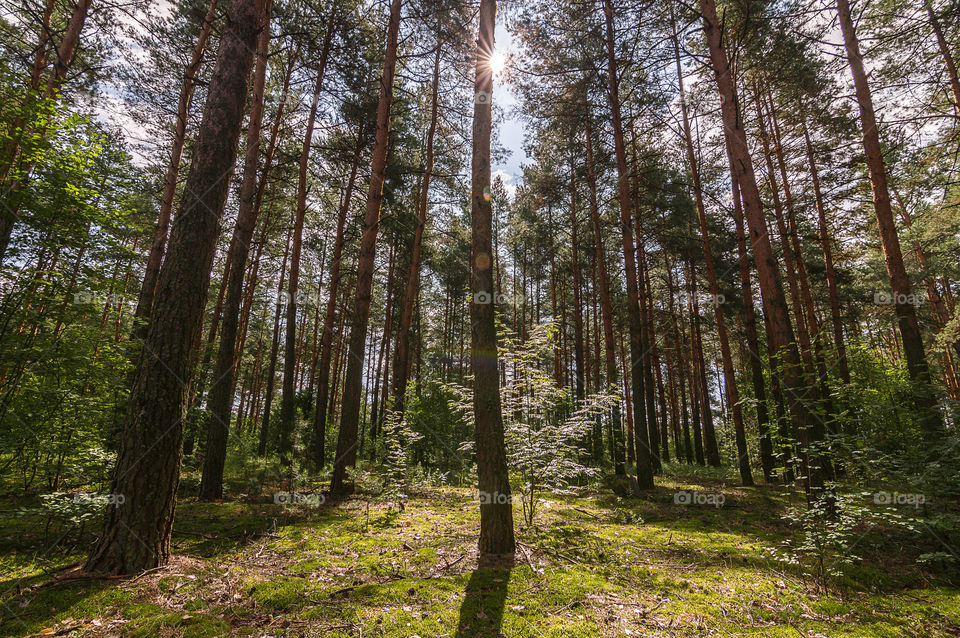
[{"x": 507, "y": 179}]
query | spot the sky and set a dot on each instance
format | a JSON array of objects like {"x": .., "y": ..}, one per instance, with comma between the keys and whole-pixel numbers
[{"x": 511, "y": 129}]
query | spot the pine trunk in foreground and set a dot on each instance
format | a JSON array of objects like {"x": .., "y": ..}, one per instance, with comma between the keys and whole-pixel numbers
[
  {"x": 496, "y": 507},
  {"x": 136, "y": 535},
  {"x": 353, "y": 379}
]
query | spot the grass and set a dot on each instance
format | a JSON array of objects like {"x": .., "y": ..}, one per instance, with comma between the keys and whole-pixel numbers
[{"x": 598, "y": 565}]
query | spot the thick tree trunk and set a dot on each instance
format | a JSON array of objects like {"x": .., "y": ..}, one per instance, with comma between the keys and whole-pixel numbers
[
  {"x": 136, "y": 535},
  {"x": 925, "y": 400},
  {"x": 496, "y": 508},
  {"x": 220, "y": 400},
  {"x": 644, "y": 454},
  {"x": 352, "y": 385}
]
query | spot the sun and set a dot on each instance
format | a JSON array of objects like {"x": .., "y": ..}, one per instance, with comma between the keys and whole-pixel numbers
[{"x": 497, "y": 61}]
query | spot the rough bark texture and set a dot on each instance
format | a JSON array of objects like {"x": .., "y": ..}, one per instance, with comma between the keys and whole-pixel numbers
[
  {"x": 136, "y": 535},
  {"x": 353, "y": 380},
  {"x": 220, "y": 400},
  {"x": 496, "y": 508}
]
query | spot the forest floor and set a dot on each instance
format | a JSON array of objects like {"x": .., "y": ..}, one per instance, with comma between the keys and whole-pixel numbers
[{"x": 592, "y": 566}]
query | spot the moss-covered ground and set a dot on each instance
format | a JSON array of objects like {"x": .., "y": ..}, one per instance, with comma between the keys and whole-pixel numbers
[{"x": 597, "y": 565}]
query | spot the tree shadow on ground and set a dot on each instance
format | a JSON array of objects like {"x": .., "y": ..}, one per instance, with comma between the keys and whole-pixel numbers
[{"x": 481, "y": 613}]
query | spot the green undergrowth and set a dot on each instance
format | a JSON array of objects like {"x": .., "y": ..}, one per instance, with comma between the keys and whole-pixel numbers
[{"x": 598, "y": 565}]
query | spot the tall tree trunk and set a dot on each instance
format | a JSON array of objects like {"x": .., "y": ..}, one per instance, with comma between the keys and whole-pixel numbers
[
  {"x": 752, "y": 345},
  {"x": 577, "y": 293},
  {"x": 347, "y": 437},
  {"x": 948, "y": 61},
  {"x": 775, "y": 305},
  {"x": 644, "y": 465},
  {"x": 496, "y": 509},
  {"x": 835, "y": 315},
  {"x": 318, "y": 444},
  {"x": 220, "y": 400},
  {"x": 288, "y": 396},
  {"x": 155, "y": 257},
  {"x": 925, "y": 400},
  {"x": 729, "y": 374},
  {"x": 136, "y": 536},
  {"x": 606, "y": 312},
  {"x": 274, "y": 351},
  {"x": 401, "y": 364},
  {"x": 16, "y": 128}
]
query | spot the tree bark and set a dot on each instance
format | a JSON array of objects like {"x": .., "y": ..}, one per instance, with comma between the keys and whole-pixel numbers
[
  {"x": 606, "y": 312},
  {"x": 220, "y": 400},
  {"x": 644, "y": 454},
  {"x": 136, "y": 535},
  {"x": 729, "y": 373},
  {"x": 775, "y": 304},
  {"x": 352, "y": 385},
  {"x": 401, "y": 364},
  {"x": 288, "y": 396},
  {"x": 496, "y": 508},
  {"x": 925, "y": 400}
]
